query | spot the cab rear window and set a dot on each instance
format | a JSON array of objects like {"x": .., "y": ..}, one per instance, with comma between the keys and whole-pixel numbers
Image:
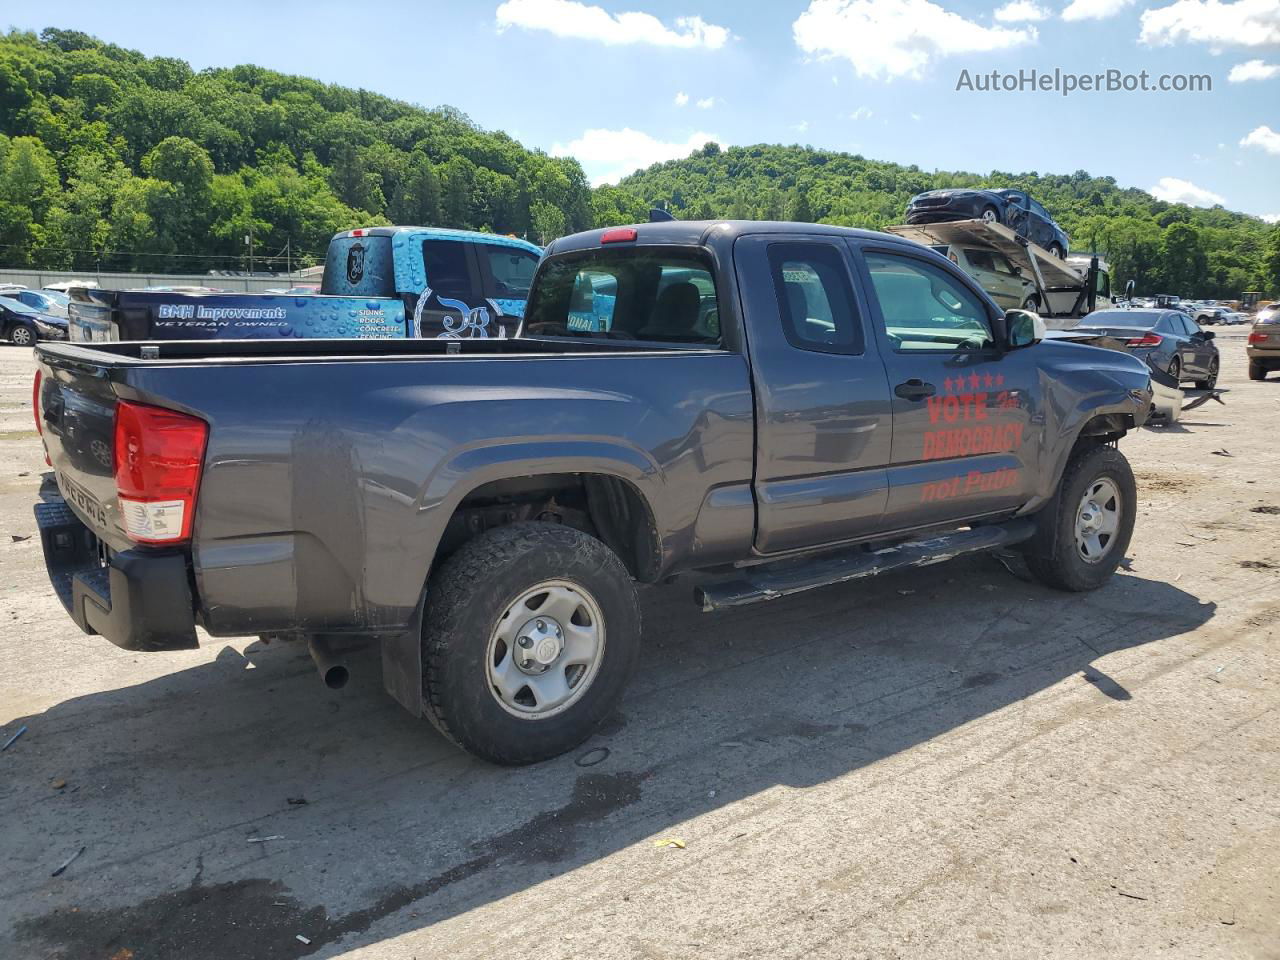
[
  {"x": 654, "y": 294},
  {"x": 359, "y": 267}
]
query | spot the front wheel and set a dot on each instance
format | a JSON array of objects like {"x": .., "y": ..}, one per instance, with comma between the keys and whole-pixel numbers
[
  {"x": 990, "y": 215},
  {"x": 1211, "y": 381},
  {"x": 1032, "y": 304},
  {"x": 531, "y": 632},
  {"x": 1175, "y": 369},
  {"x": 1057, "y": 251},
  {"x": 21, "y": 336},
  {"x": 1083, "y": 532}
]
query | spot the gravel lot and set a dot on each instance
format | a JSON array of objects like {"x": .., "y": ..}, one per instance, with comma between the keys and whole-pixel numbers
[{"x": 950, "y": 762}]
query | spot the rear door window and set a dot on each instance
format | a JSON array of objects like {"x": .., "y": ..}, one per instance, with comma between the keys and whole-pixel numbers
[
  {"x": 815, "y": 297},
  {"x": 449, "y": 270},
  {"x": 655, "y": 294}
]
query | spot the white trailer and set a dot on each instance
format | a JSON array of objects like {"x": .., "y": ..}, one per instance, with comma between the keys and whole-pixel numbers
[{"x": 1063, "y": 289}]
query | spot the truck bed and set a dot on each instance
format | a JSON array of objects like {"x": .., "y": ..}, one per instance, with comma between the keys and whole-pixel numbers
[{"x": 328, "y": 480}]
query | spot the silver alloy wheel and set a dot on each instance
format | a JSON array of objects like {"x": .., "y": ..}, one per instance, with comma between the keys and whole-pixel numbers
[
  {"x": 990, "y": 216},
  {"x": 1097, "y": 520},
  {"x": 21, "y": 336},
  {"x": 545, "y": 650}
]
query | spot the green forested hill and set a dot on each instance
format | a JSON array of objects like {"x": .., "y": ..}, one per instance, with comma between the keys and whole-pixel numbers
[
  {"x": 110, "y": 157},
  {"x": 115, "y": 160},
  {"x": 1162, "y": 246}
]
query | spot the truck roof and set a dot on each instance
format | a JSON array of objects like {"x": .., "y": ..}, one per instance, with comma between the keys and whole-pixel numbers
[
  {"x": 701, "y": 232},
  {"x": 441, "y": 233}
]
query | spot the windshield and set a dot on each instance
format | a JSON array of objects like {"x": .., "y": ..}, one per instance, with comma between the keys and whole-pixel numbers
[{"x": 626, "y": 294}]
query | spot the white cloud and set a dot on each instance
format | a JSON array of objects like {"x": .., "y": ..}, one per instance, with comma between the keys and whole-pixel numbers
[
  {"x": 1252, "y": 70},
  {"x": 1263, "y": 137},
  {"x": 609, "y": 155},
  {"x": 1245, "y": 23},
  {"x": 681, "y": 98},
  {"x": 895, "y": 38},
  {"x": 915, "y": 116},
  {"x": 568, "y": 18},
  {"x": 1093, "y": 9},
  {"x": 706, "y": 103},
  {"x": 1018, "y": 11},
  {"x": 1173, "y": 190},
  {"x": 862, "y": 113},
  {"x": 801, "y": 127},
  {"x": 1270, "y": 218}
]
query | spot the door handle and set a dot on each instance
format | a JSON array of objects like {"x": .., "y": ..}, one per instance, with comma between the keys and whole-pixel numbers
[{"x": 915, "y": 389}]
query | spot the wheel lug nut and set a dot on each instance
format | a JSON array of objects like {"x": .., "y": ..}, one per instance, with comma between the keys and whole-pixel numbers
[
  {"x": 525, "y": 641},
  {"x": 542, "y": 625}
]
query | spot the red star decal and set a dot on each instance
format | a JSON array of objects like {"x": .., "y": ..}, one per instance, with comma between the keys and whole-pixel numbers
[
  {"x": 948, "y": 384},
  {"x": 988, "y": 380},
  {"x": 974, "y": 382},
  {"x": 999, "y": 379}
]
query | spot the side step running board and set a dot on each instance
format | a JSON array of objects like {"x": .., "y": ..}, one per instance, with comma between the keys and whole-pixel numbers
[{"x": 770, "y": 581}]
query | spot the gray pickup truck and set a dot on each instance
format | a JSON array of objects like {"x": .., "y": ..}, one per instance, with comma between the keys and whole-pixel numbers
[{"x": 774, "y": 406}]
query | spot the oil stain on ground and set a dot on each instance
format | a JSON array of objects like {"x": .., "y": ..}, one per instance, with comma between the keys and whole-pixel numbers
[{"x": 259, "y": 918}]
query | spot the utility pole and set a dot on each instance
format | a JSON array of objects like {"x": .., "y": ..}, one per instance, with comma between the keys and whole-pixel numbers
[
  {"x": 288, "y": 257},
  {"x": 248, "y": 239}
]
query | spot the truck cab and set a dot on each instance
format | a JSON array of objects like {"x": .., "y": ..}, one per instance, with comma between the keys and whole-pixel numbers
[{"x": 451, "y": 283}]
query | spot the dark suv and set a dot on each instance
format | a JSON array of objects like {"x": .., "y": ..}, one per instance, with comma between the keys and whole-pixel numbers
[{"x": 1013, "y": 208}]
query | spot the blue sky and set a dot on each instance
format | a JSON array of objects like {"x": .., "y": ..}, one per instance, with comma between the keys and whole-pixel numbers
[{"x": 622, "y": 83}]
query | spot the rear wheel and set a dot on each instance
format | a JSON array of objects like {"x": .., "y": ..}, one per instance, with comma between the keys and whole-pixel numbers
[
  {"x": 1211, "y": 381},
  {"x": 531, "y": 631},
  {"x": 1083, "y": 532},
  {"x": 1257, "y": 371},
  {"x": 1056, "y": 250},
  {"x": 1032, "y": 304},
  {"x": 21, "y": 336},
  {"x": 990, "y": 215}
]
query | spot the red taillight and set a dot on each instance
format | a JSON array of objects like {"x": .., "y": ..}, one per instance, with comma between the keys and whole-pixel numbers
[
  {"x": 35, "y": 409},
  {"x": 1253, "y": 338},
  {"x": 1149, "y": 340},
  {"x": 618, "y": 235},
  {"x": 357, "y": 233},
  {"x": 158, "y": 457}
]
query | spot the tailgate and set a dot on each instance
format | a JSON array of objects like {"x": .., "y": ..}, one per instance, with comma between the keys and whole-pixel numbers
[{"x": 77, "y": 419}]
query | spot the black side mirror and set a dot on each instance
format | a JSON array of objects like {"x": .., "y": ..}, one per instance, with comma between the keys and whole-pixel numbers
[{"x": 1208, "y": 334}]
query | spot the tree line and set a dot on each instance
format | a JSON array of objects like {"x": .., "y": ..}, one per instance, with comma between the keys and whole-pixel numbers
[
  {"x": 116, "y": 161},
  {"x": 113, "y": 160}
]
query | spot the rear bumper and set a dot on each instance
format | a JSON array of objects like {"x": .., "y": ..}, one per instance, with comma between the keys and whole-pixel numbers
[
  {"x": 137, "y": 599},
  {"x": 1269, "y": 358}
]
